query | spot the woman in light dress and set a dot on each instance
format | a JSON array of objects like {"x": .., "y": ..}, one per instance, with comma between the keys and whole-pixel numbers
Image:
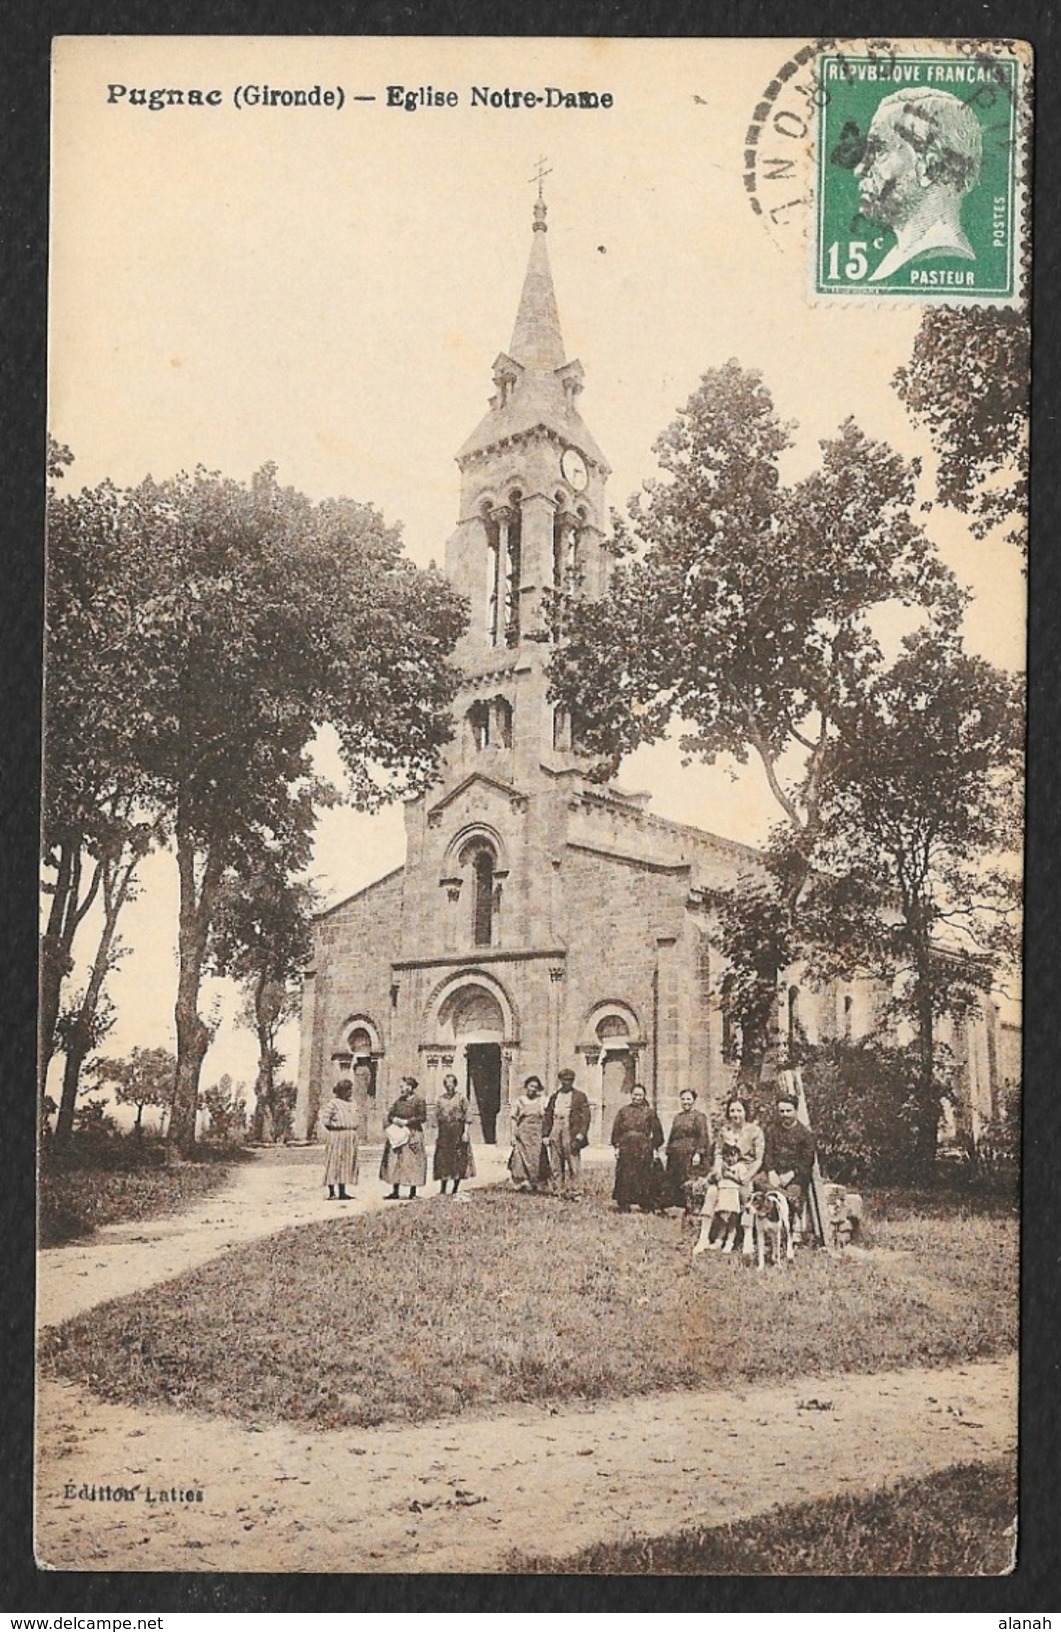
[
  {"x": 528, "y": 1163},
  {"x": 739, "y": 1149},
  {"x": 405, "y": 1160},
  {"x": 340, "y": 1124}
]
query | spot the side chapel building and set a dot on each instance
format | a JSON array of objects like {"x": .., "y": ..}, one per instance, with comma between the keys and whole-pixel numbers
[{"x": 541, "y": 920}]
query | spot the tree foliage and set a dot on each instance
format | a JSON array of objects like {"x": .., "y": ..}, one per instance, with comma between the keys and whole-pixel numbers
[
  {"x": 923, "y": 809},
  {"x": 748, "y": 616},
  {"x": 146, "y": 1078},
  {"x": 262, "y": 937},
  {"x": 225, "y": 1107},
  {"x": 867, "y": 1117},
  {"x": 237, "y": 620},
  {"x": 968, "y": 383},
  {"x": 750, "y": 619},
  {"x": 279, "y": 1110},
  {"x": 96, "y": 821}
]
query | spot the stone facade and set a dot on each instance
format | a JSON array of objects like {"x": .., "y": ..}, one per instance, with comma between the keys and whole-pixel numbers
[{"x": 541, "y": 920}]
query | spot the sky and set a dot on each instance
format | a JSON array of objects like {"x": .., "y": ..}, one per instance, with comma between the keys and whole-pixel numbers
[{"x": 326, "y": 288}]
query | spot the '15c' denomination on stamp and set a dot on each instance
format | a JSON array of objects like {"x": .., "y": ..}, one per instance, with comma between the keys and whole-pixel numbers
[{"x": 919, "y": 176}]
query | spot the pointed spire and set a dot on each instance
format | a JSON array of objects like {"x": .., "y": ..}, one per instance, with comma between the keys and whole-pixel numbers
[{"x": 536, "y": 338}]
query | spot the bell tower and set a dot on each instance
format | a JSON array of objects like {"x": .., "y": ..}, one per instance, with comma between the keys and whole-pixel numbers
[{"x": 532, "y": 523}]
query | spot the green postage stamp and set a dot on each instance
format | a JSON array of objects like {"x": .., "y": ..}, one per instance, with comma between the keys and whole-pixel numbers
[{"x": 920, "y": 161}]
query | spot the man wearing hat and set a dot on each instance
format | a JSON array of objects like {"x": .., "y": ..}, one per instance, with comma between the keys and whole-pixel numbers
[
  {"x": 789, "y": 1158},
  {"x": 565, "y": 1131}
]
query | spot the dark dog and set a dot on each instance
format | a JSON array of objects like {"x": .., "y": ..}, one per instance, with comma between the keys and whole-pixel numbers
[{"x": 772, "y": 1228}]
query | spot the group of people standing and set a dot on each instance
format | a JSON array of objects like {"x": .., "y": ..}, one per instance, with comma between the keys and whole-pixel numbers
[
  {"x": 404, "y": 1160},
  {"x": 549, "y": 1134}
]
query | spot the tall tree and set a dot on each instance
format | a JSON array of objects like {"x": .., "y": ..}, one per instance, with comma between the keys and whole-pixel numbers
[
  {"x": 968, "y": 383},
  {"x": 263, "y": 935},
  {"x": 97, "y": 823},
  {"x": 922, "y": 817},
  {"x": 749, "y": 617},
  {"x": 262, "y": 616}
]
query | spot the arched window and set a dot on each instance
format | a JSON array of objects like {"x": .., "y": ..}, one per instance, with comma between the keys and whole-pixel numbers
[
  {"x": 849, "y": 1004},
  {"x": 478, "y": 718},
  {"x": 504, "y": 571},
  {"x": 513, "y": 531},
  {"x": 566, "y": 562},
  {"x": 494, "y": 574},
  {"x": 503, "y": 721},
  {"x": 561, "y": 728},
  {"x": 483, "y": 897},
  {"x": 559, "y": 521},
  {"x": 480, "y": 858}
]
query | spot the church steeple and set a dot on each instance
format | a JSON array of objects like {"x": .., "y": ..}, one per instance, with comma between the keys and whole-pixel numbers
[
  {"x": 536, "y": 338},
  {"x": 532, "y": 525}
]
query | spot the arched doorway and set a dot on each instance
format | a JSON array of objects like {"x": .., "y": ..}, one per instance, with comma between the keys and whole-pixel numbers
[
  {"x": 477, "y": 1022},
  {"x": 613, "y": 1045},
  {"x": 357, "y": 1056}
]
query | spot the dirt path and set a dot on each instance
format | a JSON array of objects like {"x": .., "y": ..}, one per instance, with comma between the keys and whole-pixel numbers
[
  {"x": 262, "y": 1197},
  {"x": 461, "y": 1495},
  {"x": 454, "y": 1495}
]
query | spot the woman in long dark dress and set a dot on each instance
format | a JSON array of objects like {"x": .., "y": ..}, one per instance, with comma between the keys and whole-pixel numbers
[
  {"x": 453, "y": 1152},
  {"x": 405, "y": 1163},
  {"x": 688, "y": 1147},
  {"x": 636, "y": 1135}
]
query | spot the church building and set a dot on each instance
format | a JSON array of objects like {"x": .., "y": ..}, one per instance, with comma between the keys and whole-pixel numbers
[{"x": 541, "y": 920}]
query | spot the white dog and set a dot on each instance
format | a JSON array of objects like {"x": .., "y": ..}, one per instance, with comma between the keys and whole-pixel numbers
[{"x": 772, "y": 1227}]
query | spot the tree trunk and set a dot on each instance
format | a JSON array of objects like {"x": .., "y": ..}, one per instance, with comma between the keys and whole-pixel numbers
[
  {"x": 263, "y": 1086},
  {"x": 82, "y": 1032},
  {"x": 927, "y": 1096},
  {"x": 193, "y": 1035},
  {"x": 66, "y": 913},
  {"x": 53, "y": 968},
  {"x": 78, "y": 1045}
]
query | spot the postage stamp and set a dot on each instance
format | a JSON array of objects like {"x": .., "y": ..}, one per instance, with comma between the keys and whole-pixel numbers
[{"x": 918, "y": 176}]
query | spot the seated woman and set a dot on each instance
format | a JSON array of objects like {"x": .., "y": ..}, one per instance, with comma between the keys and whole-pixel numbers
[
  {"x": 637, "y": 1135},
  {"x": 738, "y": 1156}
]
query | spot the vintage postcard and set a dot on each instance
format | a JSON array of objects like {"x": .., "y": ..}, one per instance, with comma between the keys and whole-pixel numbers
[{"x": 530, "y": 1002}]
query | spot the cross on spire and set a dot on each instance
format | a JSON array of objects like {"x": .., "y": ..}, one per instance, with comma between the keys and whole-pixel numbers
[{"x": 540, "y": 173}]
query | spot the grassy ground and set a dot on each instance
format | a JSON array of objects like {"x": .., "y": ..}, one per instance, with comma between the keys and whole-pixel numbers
[
  {"x": 426, "y": 1310},
  {"x": 79, "y": 1192},
  {"x": 956, "y": 1522}
]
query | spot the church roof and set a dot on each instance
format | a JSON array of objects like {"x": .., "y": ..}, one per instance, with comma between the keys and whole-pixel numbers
[
  {"x": 536, "y": 338},
  {"x": 536, "y": 386}
]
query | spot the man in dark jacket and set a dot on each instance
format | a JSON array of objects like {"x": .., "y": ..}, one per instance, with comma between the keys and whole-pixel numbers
[
  {"x": 788, "y": 1160},
  {"x": 565, "y": 1130}
]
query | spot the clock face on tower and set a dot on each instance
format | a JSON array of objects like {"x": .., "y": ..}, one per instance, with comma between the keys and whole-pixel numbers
[{"x": 573, "y": 467}]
